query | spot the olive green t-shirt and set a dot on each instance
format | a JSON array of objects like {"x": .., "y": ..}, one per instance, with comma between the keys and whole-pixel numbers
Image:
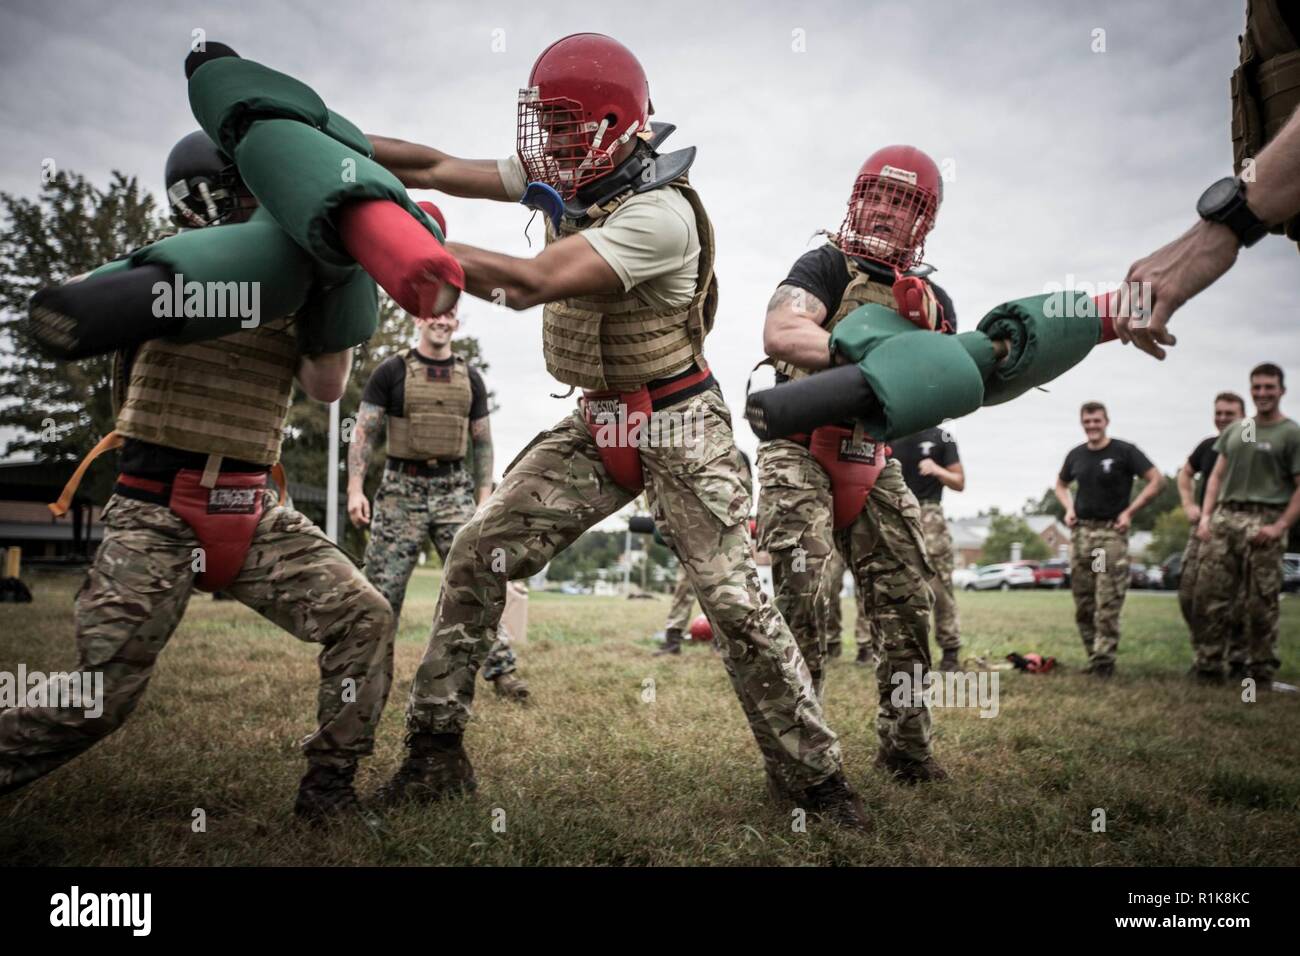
[{"x": 1263, "y": 461}]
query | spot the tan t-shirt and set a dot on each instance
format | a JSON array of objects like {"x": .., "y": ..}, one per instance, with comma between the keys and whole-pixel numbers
[{"x": 651, "y": 241}]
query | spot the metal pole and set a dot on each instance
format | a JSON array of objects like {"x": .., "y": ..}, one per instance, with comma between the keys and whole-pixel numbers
[
  {"x": 332, "y": 478},
  {"x": 627, "y": 562}
]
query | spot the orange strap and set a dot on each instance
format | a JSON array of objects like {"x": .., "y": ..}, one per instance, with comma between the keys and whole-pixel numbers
[
  {"x": 281, "y": 481},
  {"x": 107, "y": 443}
]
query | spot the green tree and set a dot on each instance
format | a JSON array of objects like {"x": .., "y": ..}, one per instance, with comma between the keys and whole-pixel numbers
[
  {"x": 1169, "y": 535},
  {"x": 1005, "y": 530},
  {"x": 61, "y": 409}
]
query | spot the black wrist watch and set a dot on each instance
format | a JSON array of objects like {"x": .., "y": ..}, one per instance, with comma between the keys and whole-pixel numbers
[{"x": 1225, "y": 202}]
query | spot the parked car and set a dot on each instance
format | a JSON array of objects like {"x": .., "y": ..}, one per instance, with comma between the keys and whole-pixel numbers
[
  {"x": 1137, "y": 575},
  {"x": 1291, "y": 572},
  {"x": 1155, "y": 577},
  {"x": 1173, "y": 571},
  {"x": 1047, "y": 574},
  {"x": 1061, "y": 565},
  {"x": 1002, "y": 577},
  {"x": 963, "y": 576}
]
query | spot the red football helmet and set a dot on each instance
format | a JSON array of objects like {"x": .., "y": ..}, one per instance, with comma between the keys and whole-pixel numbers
[
  {"x": 701, "y": 629},
  {"x": 587, "y": 95},
  {"x": 892, "y": 209}
]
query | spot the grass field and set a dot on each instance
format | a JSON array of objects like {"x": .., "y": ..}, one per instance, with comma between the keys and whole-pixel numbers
[{"x": 591, "y": 774}]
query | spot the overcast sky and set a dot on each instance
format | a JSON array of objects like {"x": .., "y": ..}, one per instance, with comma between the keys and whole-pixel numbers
[{"x": 1066, "y": 162}]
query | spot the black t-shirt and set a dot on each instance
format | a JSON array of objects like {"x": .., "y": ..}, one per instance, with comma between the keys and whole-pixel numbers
[
  {"x": 1202, "y": 461},
  {"x": 1105, "y": 478},
  {"x": 930, "y": 443},
  {"x": 387, "y": 385},
  {"x": 824, "y": 273}
]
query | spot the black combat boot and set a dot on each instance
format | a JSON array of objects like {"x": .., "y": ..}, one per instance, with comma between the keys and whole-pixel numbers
[
  {"x": 949, "y": 662},
  {"x": 906, "y": 770},
  {"x": 436, "y": 767},
  {"x": 833, "y": 800},
  {"x": 834, "y": 650},
  {"x": 326, "y": 792},
  {"x": 672, "y": 642},
  {"x": 865, "y": 657},
  {"x": 1237, "y": 670}
]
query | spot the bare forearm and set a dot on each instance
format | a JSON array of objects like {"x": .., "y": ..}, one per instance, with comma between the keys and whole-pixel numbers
[
  {"x": 500, "y": 279},
  {"x": 369, "y": 417},
  {"x": 1150, "y": 491},
  {"x": 423, "y": 167},
  {"x": 1275, "y": 193},
  {"x": 481, "y": 433},
  {"x": 1185, "y": 489},
  {"x": 1292, "y": 511},
  {"x": 324, "y": 377},
  {"x": 952, "y": 478}
]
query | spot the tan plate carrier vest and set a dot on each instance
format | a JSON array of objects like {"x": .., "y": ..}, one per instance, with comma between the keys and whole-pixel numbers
[
  {"x": 861, "y": 290},
  {"x": 434, "y": 424},
  {"x": 1265, "y": 87},
  {"x": 615, "y": 341},
  {"x": 226, "y": 397}
]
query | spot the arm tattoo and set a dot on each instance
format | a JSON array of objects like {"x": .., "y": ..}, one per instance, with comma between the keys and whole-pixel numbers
[
  {"x": 481, "y": 431},
  {"x": 369, "y": 418},
  {"x": 800, "y": 301}
]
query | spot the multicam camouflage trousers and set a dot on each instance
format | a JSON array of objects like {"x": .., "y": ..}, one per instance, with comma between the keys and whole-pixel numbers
[
  {"x": 885, "y": 550},
  {"x": 1099, "y": 580},
  {"x": 679, "y": 612},
  {"x": 135, "y": 594},
  {"x": 700, "y": 495},
  {"x": 1205, "y": 656},
  {"x": 938, "y": 545},
  {"x": 1237, "y": 571},
  {"x": 409, "y": 511},
  {"x": 833, "y": 612}
]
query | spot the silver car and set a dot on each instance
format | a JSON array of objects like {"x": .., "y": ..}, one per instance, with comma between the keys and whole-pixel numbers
[{"x": 1002, "y": 577}]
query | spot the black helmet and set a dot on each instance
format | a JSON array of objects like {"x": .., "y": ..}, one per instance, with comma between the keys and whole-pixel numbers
[{"x": 203, "y": 185}]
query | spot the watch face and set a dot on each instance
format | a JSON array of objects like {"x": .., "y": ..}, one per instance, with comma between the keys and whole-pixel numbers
[{"x": 1217, "y": 197}]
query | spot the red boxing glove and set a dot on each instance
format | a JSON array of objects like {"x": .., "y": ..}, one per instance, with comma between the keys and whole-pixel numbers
[
  {"x": 402, "y": 256},
  {"x": 918, "y": 304}
]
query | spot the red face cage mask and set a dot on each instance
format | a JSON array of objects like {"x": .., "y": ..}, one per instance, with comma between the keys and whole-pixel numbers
[
  {"x": 888, "y": 219},
  {"x": 557, "y": 148}
]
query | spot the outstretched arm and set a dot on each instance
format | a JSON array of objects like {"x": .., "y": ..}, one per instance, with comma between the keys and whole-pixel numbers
[
  {"x": 364, "y": 433},
  {"x": 569, "y": 267},
  {"x": 423, "y": 167},
  {"x": 1196, "y": 259}
]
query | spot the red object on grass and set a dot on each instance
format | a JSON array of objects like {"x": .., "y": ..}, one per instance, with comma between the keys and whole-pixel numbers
[
  {"x": 402, "y": 256},
  {"x": 701, "y": 629}
]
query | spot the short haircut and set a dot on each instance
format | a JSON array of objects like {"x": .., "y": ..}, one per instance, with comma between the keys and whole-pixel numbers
[
  {"x": 1094, "y": 407},
  {"x": 1231, "y": 397},
  {"x": 1271, "y": 370}
]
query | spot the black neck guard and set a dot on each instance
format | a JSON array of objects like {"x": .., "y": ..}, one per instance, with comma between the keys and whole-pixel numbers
[{"x": 644, "y": 170}]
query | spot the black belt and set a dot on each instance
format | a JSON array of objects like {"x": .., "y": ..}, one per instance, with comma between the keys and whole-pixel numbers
[
  {"x": 673, "y": 389},
  {"x": 1255, "y": 506},
  {"x": 419, "y": 469}
]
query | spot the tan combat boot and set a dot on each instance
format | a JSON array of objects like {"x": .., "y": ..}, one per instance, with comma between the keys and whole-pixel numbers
[
  {"x": 906, "y": 770},
  {"x": 511, "y": 686}
]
